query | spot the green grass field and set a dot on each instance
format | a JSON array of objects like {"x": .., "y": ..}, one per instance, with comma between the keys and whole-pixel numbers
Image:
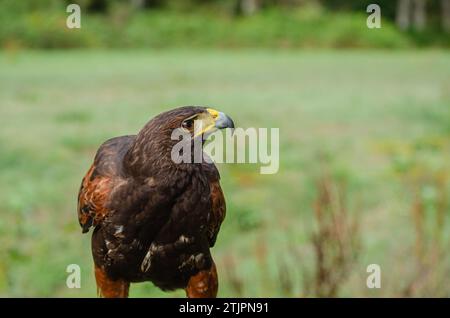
[{"x": 374, "y": 124}]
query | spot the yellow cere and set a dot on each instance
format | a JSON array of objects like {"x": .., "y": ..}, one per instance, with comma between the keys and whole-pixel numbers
[{"x": 214, "y": 113}]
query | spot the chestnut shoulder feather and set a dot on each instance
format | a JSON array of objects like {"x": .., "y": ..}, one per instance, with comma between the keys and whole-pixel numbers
[{"x": 99, "y": 181}]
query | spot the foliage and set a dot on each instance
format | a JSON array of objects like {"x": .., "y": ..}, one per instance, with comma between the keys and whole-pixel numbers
[{"x": 41, "y": 24}]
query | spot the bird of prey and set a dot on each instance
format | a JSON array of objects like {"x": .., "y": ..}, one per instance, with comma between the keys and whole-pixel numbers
[{"x": 154, "y": 219}]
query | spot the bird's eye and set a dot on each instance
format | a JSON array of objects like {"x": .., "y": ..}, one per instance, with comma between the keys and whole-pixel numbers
[{"x": 187, "y": 124}]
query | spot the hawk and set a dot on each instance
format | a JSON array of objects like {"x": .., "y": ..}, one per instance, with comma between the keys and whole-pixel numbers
[{"x": 155, "y": 219}]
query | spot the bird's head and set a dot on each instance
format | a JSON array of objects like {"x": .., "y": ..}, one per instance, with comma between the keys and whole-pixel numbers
[
  {"x": 193, "y": 120},
  {"x": 155, "y": 141}
]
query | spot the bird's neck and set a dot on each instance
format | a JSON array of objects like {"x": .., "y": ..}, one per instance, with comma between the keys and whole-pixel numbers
[{"x": 151, "y": 158}]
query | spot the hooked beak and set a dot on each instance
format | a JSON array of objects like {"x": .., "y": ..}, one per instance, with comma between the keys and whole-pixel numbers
[{"x": 223, "y": 121}]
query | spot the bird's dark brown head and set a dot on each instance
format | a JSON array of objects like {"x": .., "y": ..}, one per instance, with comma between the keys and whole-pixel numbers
[{"x": 154, "y": 143}]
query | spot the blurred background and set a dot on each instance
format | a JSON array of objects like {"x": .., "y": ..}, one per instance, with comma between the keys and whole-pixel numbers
[{"x": 364, "y": 118}]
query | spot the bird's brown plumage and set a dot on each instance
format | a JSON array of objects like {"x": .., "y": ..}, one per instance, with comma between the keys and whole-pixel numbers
[{"x": 154, "y": 220}]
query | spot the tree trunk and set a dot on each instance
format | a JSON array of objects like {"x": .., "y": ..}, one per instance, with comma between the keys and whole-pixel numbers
[
  {"x": 138, "y": 3},
  {"x": 142, "y": 4},
  {"x": 445, "y": 7},
  {"x": 248, "y": 7},
  {"x": 403, "y": 14},
  {"x": 419, "y": 14}
]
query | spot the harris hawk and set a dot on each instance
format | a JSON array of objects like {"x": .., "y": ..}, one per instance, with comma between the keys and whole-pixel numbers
[{"x": 154, "y": 219}]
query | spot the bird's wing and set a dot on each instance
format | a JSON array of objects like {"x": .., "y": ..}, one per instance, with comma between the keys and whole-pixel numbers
[
  {"x": 218, "y": 207},
  {"x": 218, "y": 211},
  {"x": 94, "y": 192},
  {"x": 99, "y": 181}
]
